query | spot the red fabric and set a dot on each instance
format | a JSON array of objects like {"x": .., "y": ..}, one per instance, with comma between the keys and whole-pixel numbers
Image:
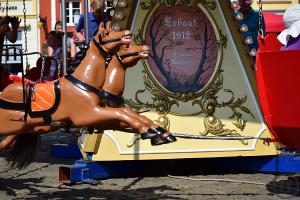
[
  {"x": 277, "y": 76},
  {"x": 274, "y": 22},
  {"x": 16, "y": 78}
]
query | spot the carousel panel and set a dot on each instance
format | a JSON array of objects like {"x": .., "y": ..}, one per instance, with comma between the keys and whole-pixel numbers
[{"x": 198, "y": 81}]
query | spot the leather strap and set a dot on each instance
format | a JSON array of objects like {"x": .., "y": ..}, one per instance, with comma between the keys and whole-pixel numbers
[
  {"x": 11, "y": 105},
  {"x": 121, "y": 57},
  {"x": 101, "y": 93},
  {"x": 107, "y": 56},
  {"x": 116, "y": 101},
  {"x": 78, "y": 83}
]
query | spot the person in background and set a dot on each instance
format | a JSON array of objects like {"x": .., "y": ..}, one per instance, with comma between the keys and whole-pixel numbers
[
  {"x": 55, "y": 42},
  {"x": 290, "y": 37},
  {"x": 70, "y": 42},
  {"x": 9, "y": 29},
  {"x": 95, "y": 18},
  {"x": 251, "y": 19}
]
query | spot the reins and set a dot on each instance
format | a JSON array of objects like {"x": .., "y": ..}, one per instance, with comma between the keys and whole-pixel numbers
[{"x": 107, "y": 57}]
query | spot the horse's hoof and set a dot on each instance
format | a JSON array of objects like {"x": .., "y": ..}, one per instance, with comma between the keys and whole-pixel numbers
[
  {"x": 149, "y": 133},
  {"x": 159, "y": 140}
]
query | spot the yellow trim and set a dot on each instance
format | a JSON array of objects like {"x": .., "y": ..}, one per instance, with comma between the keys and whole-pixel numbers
[
  {"x": 29, "y": 16},
  {"x": 275, "y": 5},
  {"x": 108, "y": 151}
]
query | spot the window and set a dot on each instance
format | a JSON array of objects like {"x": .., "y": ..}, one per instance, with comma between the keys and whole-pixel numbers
[{"x": 72, "y": 12}]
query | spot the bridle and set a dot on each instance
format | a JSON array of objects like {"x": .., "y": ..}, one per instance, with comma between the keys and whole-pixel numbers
[
  {"x": 126, "y": 55},
  {"x": 107, "y": 55}
]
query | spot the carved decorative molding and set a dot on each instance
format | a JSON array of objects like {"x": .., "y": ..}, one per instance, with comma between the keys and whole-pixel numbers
[{"x": 205, "y": 102}]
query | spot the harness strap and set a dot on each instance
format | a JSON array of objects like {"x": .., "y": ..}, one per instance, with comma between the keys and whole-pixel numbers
[
  {"x": 82, "y": 85},
  {"x": 12, "y": 105},
  {"x": 107, "y": 56},
  {"x": 101, "y": 93},
  {"x": 113, "y": 100},
  {"x": 121, "y": 57},
  {"x": 110, "y": 41}
]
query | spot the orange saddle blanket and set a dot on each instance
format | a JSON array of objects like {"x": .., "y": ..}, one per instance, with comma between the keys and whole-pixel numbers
[{"x": 43, "y": 97}]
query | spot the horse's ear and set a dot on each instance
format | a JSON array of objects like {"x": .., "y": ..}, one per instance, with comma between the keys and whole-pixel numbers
[{"x": 101, "y": 26}]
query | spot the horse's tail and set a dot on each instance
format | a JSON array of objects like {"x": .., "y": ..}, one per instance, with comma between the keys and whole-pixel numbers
[{"x": 23, "y": 150}]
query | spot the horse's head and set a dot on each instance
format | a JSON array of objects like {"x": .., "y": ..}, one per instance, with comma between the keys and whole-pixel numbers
[
  {"x": 131, "y": 54},
  {"x": 111, "y": 41}
]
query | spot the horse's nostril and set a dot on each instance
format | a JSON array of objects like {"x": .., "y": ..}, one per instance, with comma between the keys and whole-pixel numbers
[
  {"x": 128, "y": 33},
  {"x": 146, "y": 48}
]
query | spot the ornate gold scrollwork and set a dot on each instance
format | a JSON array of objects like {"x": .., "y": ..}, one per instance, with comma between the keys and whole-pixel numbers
[
  {"x": 223, "y": 39},
  {"x": 208, "y": 104},
  {"x": 207, "y": 99},
  {"x": 148, "y": 4},
  {"x": 234, "y": 105},
  {"x": 214, "y": 125},
  {"x": 162, "y": 121}
]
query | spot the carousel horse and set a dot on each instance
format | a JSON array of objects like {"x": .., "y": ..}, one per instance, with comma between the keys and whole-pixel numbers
[
  {"x": 76, "y": 101},
  {"x": 113, "y": 88},
  {"x": 114, "y": 85}
]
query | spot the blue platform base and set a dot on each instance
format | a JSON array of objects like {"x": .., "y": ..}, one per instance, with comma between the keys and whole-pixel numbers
[
  {"x": 88, "y": 171},
  {"x": 66, "y": 151}
]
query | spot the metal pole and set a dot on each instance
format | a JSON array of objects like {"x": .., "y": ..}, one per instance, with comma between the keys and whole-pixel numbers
[
  {"x": 135, "y": 15},
  {"x": 86, "y": 20},
  {"x": 64, "y": 43}
]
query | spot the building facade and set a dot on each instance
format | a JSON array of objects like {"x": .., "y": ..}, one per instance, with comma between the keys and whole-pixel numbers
[
  {"x": 276, "y": 6},
  {"x": 31, "y": 38}
]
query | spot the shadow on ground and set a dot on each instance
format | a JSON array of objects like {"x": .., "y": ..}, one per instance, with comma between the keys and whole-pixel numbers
[
  {"x": 286, "y": 188},
  {"x": 71, "y": 193}
]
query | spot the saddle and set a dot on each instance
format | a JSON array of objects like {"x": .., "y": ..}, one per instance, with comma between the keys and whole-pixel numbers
[{"x": 42, "y": 101}]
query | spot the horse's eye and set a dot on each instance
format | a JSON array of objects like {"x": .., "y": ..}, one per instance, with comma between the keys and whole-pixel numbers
[{"x": 106, "y": 33}]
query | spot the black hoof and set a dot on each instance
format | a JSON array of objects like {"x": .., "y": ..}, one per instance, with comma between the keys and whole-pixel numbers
[
  {"x": 159, "y": 140},
  {"x": 149, "y": 133},
  {"x": 159, "y": 130}
]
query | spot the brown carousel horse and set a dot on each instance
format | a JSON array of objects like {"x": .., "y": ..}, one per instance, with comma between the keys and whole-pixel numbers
[
  {"x": 114, "y": 85},
  {"x": 76, "y": 101}
]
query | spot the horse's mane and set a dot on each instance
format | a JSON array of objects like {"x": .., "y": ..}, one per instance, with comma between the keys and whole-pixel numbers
[{"x": 80, "y": 55}]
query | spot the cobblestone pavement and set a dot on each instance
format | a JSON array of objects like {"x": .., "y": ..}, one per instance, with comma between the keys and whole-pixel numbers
[{"x": 40, "y": 181}]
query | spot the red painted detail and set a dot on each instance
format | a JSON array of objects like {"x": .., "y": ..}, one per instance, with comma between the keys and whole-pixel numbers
[
  {"x": 274, "y": 22},
  {"x": 277, "y": 76}
]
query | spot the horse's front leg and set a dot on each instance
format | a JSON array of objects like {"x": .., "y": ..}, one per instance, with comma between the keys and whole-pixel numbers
[
  {"x": 145, "y": 119},
  {"x": 105, "y": 117},
  {"x": 7, "y": 142}
]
